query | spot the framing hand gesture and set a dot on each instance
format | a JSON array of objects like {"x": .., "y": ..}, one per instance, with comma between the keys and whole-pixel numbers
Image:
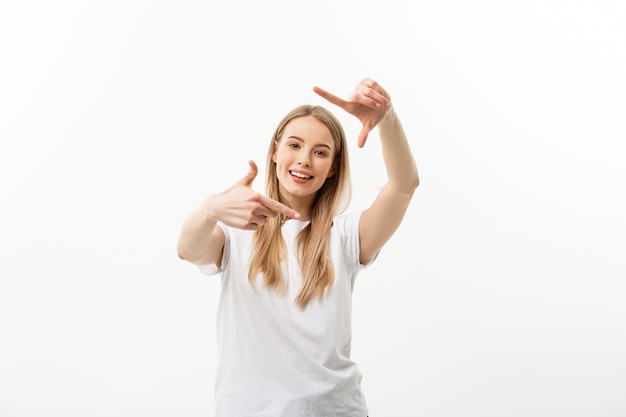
[
  {"x": 369, "y": 102},
  {"x": 244, "y": 208}
]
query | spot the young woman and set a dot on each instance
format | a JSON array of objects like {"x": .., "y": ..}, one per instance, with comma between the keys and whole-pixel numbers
[{"x": 289, "y": 260}]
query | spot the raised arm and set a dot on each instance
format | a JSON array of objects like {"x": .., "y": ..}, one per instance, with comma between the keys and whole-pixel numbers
[
  {"x": 371, "y": 104},
  {"x": 202, "y": 243}
]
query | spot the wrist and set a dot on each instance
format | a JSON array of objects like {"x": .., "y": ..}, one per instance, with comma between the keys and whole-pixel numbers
[
  {"x": 389, "y": 119},
  {"x": 209, "y": 213}
]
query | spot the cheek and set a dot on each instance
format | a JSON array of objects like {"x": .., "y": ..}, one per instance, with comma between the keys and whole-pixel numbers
[
  {"x": 330, "y": 170},
  {"x": 282, "y": 164},
  {"x": 281, "y": 157}
]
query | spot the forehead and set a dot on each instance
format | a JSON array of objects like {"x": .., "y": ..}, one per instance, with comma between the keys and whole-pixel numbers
[{"x": 309, "y": 129}]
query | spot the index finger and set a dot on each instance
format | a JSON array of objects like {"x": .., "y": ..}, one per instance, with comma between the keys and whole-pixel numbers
[
  {"x": 277, "y": 207},
  {"x": 330, "y": 97}
]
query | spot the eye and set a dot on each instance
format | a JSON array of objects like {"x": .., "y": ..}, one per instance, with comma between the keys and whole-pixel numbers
[
  {"x": 321, "y": 153},
  {"x": 294, "y": 145}
]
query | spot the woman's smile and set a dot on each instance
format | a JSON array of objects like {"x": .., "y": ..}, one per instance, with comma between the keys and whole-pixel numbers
[
  {"x": 304, "y": 158},
  {"x": 300, "y": 177}
]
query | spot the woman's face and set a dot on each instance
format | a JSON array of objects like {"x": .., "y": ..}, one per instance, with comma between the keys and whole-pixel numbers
[{"x": 304, "y": 158}]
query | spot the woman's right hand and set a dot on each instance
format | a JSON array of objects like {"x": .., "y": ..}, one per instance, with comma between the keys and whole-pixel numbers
[{"x": 242, "y": 207}]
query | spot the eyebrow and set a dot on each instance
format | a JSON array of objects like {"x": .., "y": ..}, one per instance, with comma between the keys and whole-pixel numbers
[{"x": 302, "y": 140}]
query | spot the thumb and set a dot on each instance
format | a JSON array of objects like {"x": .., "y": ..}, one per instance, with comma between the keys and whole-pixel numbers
[
  {"x": 363, "y": 136},
  {"x": 250, "y": 176}
]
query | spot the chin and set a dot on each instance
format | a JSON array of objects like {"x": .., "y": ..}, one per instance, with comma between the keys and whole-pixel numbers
[{"x": 298, "y": 191}]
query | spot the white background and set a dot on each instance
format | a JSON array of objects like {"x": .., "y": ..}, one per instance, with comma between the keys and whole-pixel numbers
[{"x": 503, "y": 293}]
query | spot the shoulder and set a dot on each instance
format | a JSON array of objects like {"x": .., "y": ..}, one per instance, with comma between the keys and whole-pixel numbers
[
  {"x": 345, "y": 228},
  {"x": 347, "y": 222},
  {"x": 236, "y": 237},
  {"x": 234, "y": 232}
]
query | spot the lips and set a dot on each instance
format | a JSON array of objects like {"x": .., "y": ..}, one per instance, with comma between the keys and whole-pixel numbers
[{"x": 301, "y": 174}]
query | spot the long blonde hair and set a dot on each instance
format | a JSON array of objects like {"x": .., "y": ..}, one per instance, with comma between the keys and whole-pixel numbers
[{"x": 313, "y": 241}]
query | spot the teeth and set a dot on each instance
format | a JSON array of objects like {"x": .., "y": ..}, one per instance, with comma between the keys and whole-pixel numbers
[{"x": 297, "y": 174}]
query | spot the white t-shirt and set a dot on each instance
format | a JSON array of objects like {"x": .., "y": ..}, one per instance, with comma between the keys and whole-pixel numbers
[{"x": 276, "y": 359}]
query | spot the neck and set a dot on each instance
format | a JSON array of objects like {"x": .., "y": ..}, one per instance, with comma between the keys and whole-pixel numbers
[{"x": 302, "y": 205}]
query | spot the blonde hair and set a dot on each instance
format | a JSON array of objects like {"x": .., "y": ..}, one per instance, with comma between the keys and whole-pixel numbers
[{"x": 313, "y": 241}]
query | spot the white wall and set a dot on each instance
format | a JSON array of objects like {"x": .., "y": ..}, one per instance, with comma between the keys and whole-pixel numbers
[{"x": 503, "y": 292}]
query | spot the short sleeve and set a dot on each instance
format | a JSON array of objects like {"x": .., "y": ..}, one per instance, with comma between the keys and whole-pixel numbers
[
  {"x": 348, "y": 227},
  {"x": 212, "y": 269}
]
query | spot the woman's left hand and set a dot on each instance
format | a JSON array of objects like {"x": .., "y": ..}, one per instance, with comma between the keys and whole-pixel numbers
[{"x": 369, "y": 102}]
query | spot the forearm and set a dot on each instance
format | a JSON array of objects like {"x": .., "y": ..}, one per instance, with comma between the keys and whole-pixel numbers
[
  {"x": 397, "y": 155},
  {"x": 195, "y": 236}
]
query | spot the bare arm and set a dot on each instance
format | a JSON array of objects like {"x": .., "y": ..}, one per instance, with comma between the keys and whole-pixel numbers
[
  {"x": 371, "y": 104},
  {"x": 201, "y": 241},
  {"x": 380, "y": 221}
]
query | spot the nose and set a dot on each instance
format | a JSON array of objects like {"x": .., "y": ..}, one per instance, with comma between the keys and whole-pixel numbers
[{"x": 304, "y": 160}]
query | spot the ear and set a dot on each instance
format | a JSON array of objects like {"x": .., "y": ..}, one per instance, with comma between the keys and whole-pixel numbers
[
  {"x": 274, "y": 151},
  {"x": 332, "y": 170}
]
